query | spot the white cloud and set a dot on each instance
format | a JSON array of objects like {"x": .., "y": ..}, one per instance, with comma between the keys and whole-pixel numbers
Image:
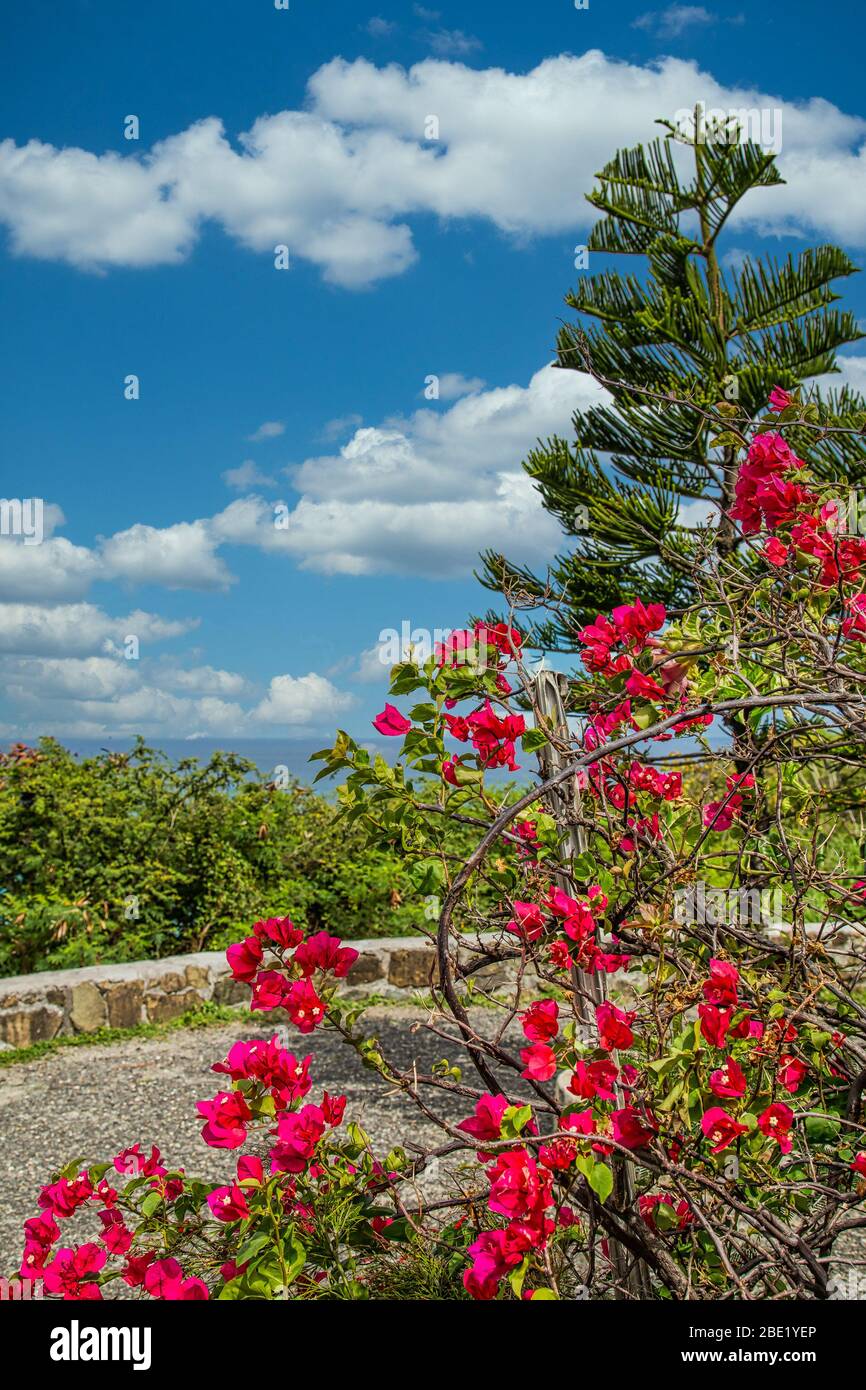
[
  {"x": 63, "y": 678},
  {"x": 852, "y": 372},
  {"x": 371, "y": 668},
  {"x": 334, "y": 181},
  {"x": 675, "y": 20},
  {"x": 206, "y": 680},
  {"x": 78, "y": 629},
  {"x": 423, "y": 495},
  {"x": 271, "y": 429},
  {"x": 247, "y": 475},
  {"x": 92, "y": 695},
  {"x": 181, "y": 556},
  {"x": 301, "y": 700},
  {"x": 52, "y": 571},
  {"x": 452, "y": 385},
  {"x": 452, "y": 43}
]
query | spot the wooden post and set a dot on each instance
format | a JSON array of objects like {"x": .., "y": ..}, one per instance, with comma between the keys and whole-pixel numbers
[{"x": 590, "y": 990}]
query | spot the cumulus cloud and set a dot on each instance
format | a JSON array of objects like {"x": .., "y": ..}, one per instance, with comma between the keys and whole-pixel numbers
[
  {"x": 181, "y": 556},
  {"x": 422, "y": 495},
  {"x": 336, "y": 180},
  {"x": 205, "y": 680},
  {"x": 93, "y": 695},
  {"x": 79, "y": 629},
  {"x": 54, "y": 570},
  {"x": 301, "y": 700},
  {"x": 65, "y": 678}
]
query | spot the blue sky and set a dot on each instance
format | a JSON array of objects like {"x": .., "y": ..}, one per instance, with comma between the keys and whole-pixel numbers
[{"x": 408, "y": 257}]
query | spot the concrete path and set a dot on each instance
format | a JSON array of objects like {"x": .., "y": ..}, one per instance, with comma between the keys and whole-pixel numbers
[{"x": 90, "y": 1102}]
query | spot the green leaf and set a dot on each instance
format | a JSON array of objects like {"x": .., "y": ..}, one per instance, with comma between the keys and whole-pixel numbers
[{"x": 601, "y": 1181}]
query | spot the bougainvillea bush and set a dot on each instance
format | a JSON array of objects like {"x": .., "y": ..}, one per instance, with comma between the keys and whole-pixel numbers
[{"x": 662, "y": 1017}]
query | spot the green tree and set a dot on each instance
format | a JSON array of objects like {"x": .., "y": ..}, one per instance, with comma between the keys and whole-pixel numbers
[{"x": 716, "y": 333}]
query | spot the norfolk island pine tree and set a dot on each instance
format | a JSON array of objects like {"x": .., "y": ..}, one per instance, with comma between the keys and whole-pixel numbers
[{"x": 691, "y": 326}]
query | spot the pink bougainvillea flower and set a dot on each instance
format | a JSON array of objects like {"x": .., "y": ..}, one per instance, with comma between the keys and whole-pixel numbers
[
  {"x": 630, "y": 1128},
  {"x": 779, "y": 399},
  {"x": 775, "y": 552},
  {"x": 518, "y": 1187},
  {"x": 539, "y": 1062},
  {"x": 250, "y": 1169},
  {"x": 854, "y": 626},
  {"x": 391, "y": 722},
  {"x": 528, "y": 921},
  {"x": 775, "y": 1123},
  {"x": 226, "y": 1116},
  {"x": 115, "y": 1236},
  {"x": 540, "y": 1022},
  {"x": 71, "y": 1272},
  {"x": 304, "y": 1006},
  {"x": 333, "y": 1109},
  {"x": 269, "y": 990},
  {"x": 493, "y": 1254},
  {"x": 729, "y": 1081},
  {"x": 721, "y": 1128},
  {"x": 486, "y": 1124},
  {"x": 245, "y": 957},
  {"x": 327, "y": 953},
  {"x": 859, "y": 1164},
  {"x": 298, "y": 1134},
  {"x": 719, "y": 816},
  {"x": 133, "y": 1162},
  {"x": 63, "y": 1198},
  {"x": 715, "y": 1023},
  {"x": 791, "y": 1072},
  {"x": 280, "y": 931},
  {"x": 449, "y": 771},
  {"x": 721, "y": 987},
  {"x": 458, "y": 727},
  {"x": 648, "y": 1204},
  {"x": 643, "y": 687},
  {"x": 165, "y": 1279},
  {"x": 614, "y": 1027},
  {"x": 136, "y": 1267},
  {"x": 634, "y": 622},
  {"x": 228, "y": 1203},
  {"x": 593, "y": 1080}
]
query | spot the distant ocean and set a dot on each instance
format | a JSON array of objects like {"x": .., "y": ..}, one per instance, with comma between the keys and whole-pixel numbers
[{"x": 267, "y": 753}]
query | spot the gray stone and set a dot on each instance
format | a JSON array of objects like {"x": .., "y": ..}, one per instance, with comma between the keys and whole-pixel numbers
[
  {"x": 198, "y": 976},
  {"x": 369, "y": 966},
  {"x": 163, "y": 1007},
  {"x": 29, "y": 1024},
  {"x": 124, "y": 999},
  {"x": 88, "y": 1009},
  {"x": 411, "y": 968},
  {"x": 229, "y": 991}
]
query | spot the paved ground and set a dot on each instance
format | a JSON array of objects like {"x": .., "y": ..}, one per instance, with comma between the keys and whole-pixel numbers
[
  {"x": 89, "y": 1102},
  {"x": 92, "y": 1101}
]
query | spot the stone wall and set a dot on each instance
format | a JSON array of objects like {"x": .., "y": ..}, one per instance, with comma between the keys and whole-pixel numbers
[{"x": 57, "y": 1003}]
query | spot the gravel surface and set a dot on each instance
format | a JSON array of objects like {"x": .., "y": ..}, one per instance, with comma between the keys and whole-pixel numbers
[
  {"x": 93, "y": 1101},
  {"x": 89, "y": 1102}
]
